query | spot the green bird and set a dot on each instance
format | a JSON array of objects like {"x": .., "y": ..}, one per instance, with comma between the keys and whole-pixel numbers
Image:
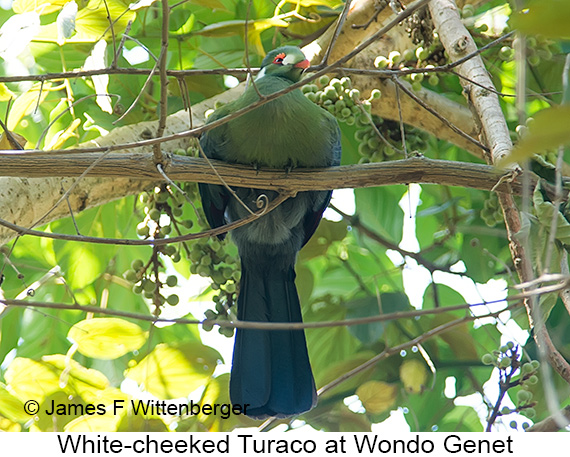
[{"x": 271, "y": 373}]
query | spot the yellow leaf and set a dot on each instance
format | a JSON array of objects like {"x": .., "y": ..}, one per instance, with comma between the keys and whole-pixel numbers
[
  {"x": 107, "y": 337},
  {"x": 169, "y": 372},
  {"x": 31, "y": 380},
  {"x": 377, "y": 396},
  {"x": 38, "y": 6},
  {"x": 83, "y": 381},
  {"x": 7, "y": 143},
  {"x": 12, "y": 407},
  {"x": 63, "y": 135},
  {"x": 91, "y": 23},
  {"x": 5, "y": 93},
  {"x": 6, "y": 425},
  {"x": 26, "y": 103},
  {"x": 237, "y": 27},
  {"x": 413, "y": 374},
  {"x": 93, "y": 423}
]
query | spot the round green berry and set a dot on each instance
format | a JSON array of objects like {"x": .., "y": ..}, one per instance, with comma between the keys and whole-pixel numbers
[
  {"x": 505, "y": 362},
  {"x": 173, "y": 300},
  {"x": 433, "y": 80},
  {"x": 408, "y": 55},
  {"x": 422, "y": 53},
  {"x": 143, "y": 231},
  {"x": 130, "y": 275},
  {"x": 394, "y": 57},
  {"x": 154, "y": 214},
  {"x": 381, "y": 62},
  {"x": 488, "y": 359}
]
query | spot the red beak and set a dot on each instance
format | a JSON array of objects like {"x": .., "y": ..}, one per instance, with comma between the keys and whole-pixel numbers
[{"x": 303, "y": 64}]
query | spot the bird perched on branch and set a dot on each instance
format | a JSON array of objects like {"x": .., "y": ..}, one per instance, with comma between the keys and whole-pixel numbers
[{"x": 271, "y": 372}]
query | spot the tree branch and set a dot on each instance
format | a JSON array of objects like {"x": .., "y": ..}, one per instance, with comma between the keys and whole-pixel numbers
[
  {"x": 485, "y": 104},
  {"x": 192, "y": 169}
]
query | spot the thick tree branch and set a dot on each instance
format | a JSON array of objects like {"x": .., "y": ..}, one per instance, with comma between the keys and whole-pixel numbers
[
  {"x": 485, "y": 104},
  {"x": 191, "y": 169}
]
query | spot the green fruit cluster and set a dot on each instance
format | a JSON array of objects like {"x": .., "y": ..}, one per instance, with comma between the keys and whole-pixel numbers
[
  {"x": 507, "y": 359},
  {"x": 538, "y": 49},
  {"x": 147, "y": 285},
  {"x": 338, "y": 97},
  {"x": 373, "y": 148},
  {"x": 191, "y": 151},
  {"x": 491, "y": 212},
  {"x": 209, "y": 258}
]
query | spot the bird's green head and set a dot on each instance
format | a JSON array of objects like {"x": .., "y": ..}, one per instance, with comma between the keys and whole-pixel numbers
[{"x": 287, "y": 62}]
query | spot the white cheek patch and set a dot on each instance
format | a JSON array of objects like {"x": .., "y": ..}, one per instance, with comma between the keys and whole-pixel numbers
[
  {"x": 289, "y": 60},
  {"x": 261, "y": 74}
]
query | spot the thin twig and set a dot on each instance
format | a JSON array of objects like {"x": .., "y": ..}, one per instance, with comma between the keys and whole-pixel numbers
[
  {"x": 428, "y": 108},
  {"x": 336, "y": 33},
  {"x": 151, "y": 242},
  {"x": 162, "y": 61}
]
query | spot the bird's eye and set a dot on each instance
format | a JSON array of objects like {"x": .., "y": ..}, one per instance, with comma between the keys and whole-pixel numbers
[{"x": 279, "y": 59}]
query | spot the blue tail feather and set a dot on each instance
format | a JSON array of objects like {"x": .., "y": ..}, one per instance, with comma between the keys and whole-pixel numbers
[{"x": 271, "y": 372}]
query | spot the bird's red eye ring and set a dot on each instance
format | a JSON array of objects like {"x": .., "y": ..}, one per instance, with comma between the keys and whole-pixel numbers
[{"x": 279, "y": 58}]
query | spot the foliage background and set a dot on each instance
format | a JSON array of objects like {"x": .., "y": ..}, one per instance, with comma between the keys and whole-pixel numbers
[{"x": 350, "y": 268}]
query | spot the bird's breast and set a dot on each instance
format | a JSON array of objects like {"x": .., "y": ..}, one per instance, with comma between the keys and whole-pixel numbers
[{"x": 282, "y": 133}]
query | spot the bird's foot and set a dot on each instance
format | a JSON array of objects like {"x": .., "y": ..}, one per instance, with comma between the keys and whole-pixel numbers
[{"x": 289, "y": 167}]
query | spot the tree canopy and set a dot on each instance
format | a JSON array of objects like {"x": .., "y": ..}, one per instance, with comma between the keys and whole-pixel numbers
[{"x": 437, "y": 289}]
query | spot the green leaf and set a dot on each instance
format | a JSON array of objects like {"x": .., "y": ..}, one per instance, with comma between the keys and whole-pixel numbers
[
  {"x": 461, "y": 419},
  {"x": 548, "y": 131},
  {"x": 339, "y": 369},
  {"x": 327, "y": 233},
  {"x": 170, "y": 372},
  {"x": 458, "y": 337},
  {"x": 210, "y": 4},
  {"x": 84, "y": 266},
  {"x": 328, "y": 345},
  {"x": 548, "y": 18},
  {"x": 369, "y": 306},
  {"x": 332, "y": 4},
  {"x": 187, "y": 27},
  {"x": 378, "y": 209},
  {"x": 107, "y": 337}
]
